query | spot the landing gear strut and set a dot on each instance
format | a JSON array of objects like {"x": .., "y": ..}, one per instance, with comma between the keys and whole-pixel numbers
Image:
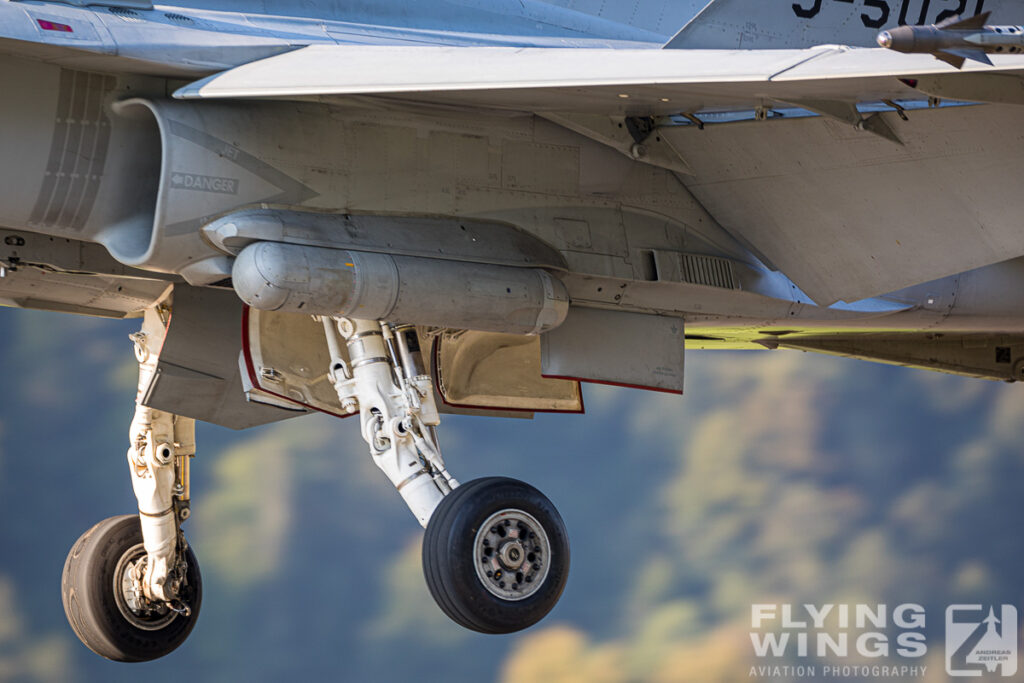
[
  {"x": 131, "y": 585},
  {"x": 495, "y": 553}
]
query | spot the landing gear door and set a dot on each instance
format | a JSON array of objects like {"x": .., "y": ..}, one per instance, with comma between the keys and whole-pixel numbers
[
  {"x": 285, "y": 362},
  {"x": 196, "y": 374},
  {"x": 500, "y": 374}
]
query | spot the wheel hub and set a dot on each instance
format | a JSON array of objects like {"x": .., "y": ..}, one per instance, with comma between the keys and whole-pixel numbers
[
  {"x": 135, "y": 607},
  {"x": 513, "y": 554}
]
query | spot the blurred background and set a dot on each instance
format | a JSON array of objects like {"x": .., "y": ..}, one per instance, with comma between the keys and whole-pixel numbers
[{"x": 779, "y": 477}]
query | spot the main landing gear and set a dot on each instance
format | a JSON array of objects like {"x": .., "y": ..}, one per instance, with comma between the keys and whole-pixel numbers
[
  {"x": 495, "y": 555},
  {"x": 495, "y": 552}
]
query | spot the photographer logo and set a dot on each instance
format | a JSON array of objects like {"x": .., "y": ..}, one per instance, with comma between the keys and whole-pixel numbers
[{"x": 981, "y": 639}]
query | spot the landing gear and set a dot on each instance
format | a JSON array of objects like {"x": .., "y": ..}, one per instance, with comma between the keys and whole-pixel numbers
[
  {"x": 495, "y": 553},
  {"x": 131, "y": 585},
  {"x": 384, "y": 378},
  {"x": 105, "y": 602}
]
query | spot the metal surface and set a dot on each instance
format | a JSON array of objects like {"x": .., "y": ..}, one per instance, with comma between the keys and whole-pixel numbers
[
  {"x": 82, "y": 173},
  {"x": 285, "y": 362},
  {"x": 396, "y": 414},
  {"x": 480, "y": 370},
  {"x": 512, "y": 554},
  {"x": 988, "y": 356},
  {"x": 862, "y": 201},
  {"x": 131, "y": 601},
  {"x": 422, "y": 291},
  {"x": 451, "y": 239},
  {"x": 956, "y": 40},
  {"x": 203, "y": 36},
  {"x": 143, "y": 177},
  {"x": 616, "y": 347},
  {"x": 197, "y": 373},
  {"x": 610, "y": 82},
  {"x": 732, "y": 24}
]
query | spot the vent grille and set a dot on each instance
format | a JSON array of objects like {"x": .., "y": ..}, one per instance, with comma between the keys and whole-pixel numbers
[
  {"x": 129, "y": 15},
  {"x": 708, "y": 270},
  {"x": 180, "y": 18},
  {"x": 78, "y": 152}
]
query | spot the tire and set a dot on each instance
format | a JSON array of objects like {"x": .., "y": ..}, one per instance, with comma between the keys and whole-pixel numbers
[
  {"x": 495, "y": 510},
  {"x": 91, "y": 605}
]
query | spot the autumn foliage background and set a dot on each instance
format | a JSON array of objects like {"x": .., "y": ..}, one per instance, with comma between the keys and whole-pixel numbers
[{"x": 779, "y": 477}]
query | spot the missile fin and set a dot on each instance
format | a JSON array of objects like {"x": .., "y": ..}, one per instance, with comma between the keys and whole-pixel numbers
[
  {"x": 958, "y": 24},
  {"x": 950, "y": 58},
  {"x": 961, "y": 55}
]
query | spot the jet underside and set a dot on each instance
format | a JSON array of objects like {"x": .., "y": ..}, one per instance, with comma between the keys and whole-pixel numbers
[
  {"x": 396, "y": 210},
  {"x": 142, "y": 177}
]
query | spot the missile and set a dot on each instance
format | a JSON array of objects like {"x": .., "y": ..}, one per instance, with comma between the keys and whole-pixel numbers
[{"x": 956, "y": 40}]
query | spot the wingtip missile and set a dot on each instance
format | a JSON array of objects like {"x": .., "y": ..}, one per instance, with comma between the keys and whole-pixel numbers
[{"x": 956, "y": 40}]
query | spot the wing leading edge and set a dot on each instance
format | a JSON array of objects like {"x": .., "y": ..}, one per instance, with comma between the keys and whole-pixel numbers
[{"x": 602, "y": 81}]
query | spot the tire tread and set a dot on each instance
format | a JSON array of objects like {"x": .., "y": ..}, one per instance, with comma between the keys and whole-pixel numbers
[{"x": 456, "y": 588}]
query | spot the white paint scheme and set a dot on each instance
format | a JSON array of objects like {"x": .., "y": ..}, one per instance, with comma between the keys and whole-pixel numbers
[
  {"x": 396, "y": 419},
  {"x": 584, "y": 80},
  {"x": 161, "y": 444},
  {"x": 151, "y": 462}
]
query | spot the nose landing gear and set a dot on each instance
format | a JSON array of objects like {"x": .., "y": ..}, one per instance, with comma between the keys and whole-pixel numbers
[
  {"x": 105, "y": 603},
  {"x": 131, "y": 585}
]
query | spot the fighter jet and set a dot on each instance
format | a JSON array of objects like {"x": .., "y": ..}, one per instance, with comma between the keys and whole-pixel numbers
[{"x": 396, "y": 210}]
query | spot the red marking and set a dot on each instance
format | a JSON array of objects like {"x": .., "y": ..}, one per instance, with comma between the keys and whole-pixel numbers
[
  {"x": 52, "y": 26},
  {"x": 436, "y": 353},
  {"x": 912, "y": 82},
  {"x": 254, "y": 379},
  {"x": 615, "y": 384}
]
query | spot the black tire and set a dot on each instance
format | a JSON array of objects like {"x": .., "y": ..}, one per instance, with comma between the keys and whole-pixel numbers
[
  {"x": 87, "y": 590},
  {"x": 450, "y": 555}
]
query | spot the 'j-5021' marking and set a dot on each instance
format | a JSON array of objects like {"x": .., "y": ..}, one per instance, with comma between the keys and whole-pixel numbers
[{"x": 877, "y": 13}]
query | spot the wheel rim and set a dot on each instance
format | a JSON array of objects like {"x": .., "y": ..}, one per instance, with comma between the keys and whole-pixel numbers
[
  {"x": 134, "y": 606},
  {"x": 512, "y": 554}
]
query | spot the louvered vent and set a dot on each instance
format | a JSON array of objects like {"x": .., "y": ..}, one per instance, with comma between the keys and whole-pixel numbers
[
  {"x": 180, "y": 18},
  {"x": 708, "y": 270},
  {"x": 127, "y": 14}
]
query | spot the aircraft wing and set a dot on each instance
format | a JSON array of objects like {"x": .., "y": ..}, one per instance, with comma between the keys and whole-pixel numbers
[
  {"x": 600, "y": 81},
  {"x": 845, "y": 214}
]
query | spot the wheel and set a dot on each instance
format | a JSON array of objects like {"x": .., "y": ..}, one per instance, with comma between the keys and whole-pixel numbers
[
  {"x": 103, "y": 609},
  {"x": 496, "y": 555}
]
